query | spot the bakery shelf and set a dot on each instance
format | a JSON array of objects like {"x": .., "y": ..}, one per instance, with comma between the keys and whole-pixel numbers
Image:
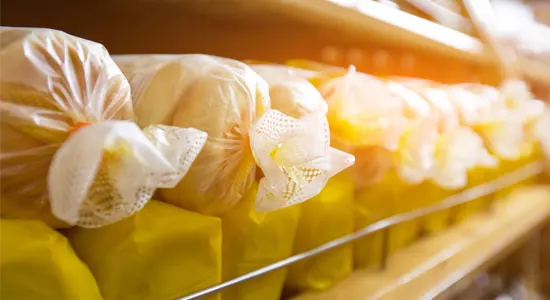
[
  {"x": 441, "y": 265},
  {"x": 276, "y": 30}
]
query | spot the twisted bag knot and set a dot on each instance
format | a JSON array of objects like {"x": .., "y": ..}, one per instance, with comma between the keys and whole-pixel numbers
[{"x": 295, "y": 157}]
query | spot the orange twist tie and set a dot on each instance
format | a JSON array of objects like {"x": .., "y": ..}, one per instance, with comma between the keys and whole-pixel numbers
[{"x": 77, "y": 126}]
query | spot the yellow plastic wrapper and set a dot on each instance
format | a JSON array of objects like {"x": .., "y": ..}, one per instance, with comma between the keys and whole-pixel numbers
[
  {"x": 369, "y": 121},
  {"x": 161, "y": 252},
  {"x": 253, "y": 240},
  {"x": 69, "y": 151},
  {"x": 504, "y": 118},
  {"x": 371, "y": 129},
  {"x": 289, "y": 147},
  {"x": 37, "y": 262},
  {"x": 458, "y": 151},
  {"x": 415, "y": 160},
  {"x": 517, "y": 97},
  {"x": 326, "y": 216},
  {"x": 430, "y": 163}
]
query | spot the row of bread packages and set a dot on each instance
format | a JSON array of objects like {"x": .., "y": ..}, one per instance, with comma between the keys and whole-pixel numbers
[
  {"x": 87, "y": 139},
  {"x": 85, "y": 146}
]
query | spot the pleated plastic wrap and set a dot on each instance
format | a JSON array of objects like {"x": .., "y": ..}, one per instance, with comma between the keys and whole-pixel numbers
[
  {"x": 326, "y": 216},
  {"x": 161, "y": 252},
  {"x": 69, "y": 151},
  {"x": 257, "y": 160},
  {"x": 38, "y": 262}
]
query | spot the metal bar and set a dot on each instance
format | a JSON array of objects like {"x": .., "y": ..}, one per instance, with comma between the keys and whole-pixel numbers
[{"x": 481, "y": 190}]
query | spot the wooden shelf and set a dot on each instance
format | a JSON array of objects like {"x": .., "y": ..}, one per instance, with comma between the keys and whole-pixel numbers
[
  {"x": 275, "y": 30},
  {"x": 443, "y": 264},
  {"x": 369, "y": 20}
]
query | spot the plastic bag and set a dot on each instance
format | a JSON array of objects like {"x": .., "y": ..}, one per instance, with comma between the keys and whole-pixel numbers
[
  {"x": 291, "y": 150},
  {"x": 290, "y": 93},
  {"x": 161, "y": 252},
  {"x": 504, "y": 118},
  {"x": 37, "y": 262},
  {"x": 358, "y": 116},
  {"x": 67, "y": 138},
  {"x": 431, "y": 163},
  {"x": 479, "y": 108},
  {"x": 330, "y": 214},
  {"x": 252, "y": 240},
  {"x": 458, "y": 150},
  {"x": 369, "y": 122},
  {"x": 326, "y": 216},
  {"x": 296, "y": 159}
]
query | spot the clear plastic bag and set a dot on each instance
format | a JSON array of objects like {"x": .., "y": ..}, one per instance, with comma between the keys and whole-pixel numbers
[
  {"x": 290, "y": 92},
  {"x": 68, "y": 140},
  {"x": 367, "y": 120},
  {"x": 458, "y": 148},
  {"x": 323, "y": 218},
  {"x": 358, "y": 116},
  {"x": 456, "y": 151},
  {"x": 230, "y": 102}
]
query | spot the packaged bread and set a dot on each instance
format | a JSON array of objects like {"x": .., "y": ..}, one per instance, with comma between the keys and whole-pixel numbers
[
  {"x": 161, "y": 252},
  {"x": 530, "y": 111},
  {"x": 70, "y": 152},
  {"x": 256, "y": 162},
  {"x": 244, "y": 134},
  {"x": 38, "y": 262},
  {"x": 459, "y": 151},
  {"x": 479, "y": 109},
  {"x": 368, "y": 121},
  {"x": 404, "y": 184},
  {"x": 505, "y": 119},
  {"x": 252, "y": 240},
  {"x": 326, "y": 216}
]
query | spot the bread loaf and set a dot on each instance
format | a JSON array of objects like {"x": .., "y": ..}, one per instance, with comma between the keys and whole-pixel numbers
[
  {"x": 229, "y": 101},
  {"x": 68, "y": 139}
]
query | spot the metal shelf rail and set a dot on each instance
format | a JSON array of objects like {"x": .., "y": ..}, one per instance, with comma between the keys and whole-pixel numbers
[{"x": 517, "y": 176}]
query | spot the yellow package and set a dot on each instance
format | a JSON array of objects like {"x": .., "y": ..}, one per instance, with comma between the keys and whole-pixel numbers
[
  {"x": 430, "y": 164},
  {"x": 458, "y": 151},
  {"x": 530, "y": 113},
  {"x": 37, "y": 262},
  {"x": 501, "y": 117},
  {"x": 296, "y": 97},
  {"x": 252, "y": 240},
  {"x": 324, "y": 218},
  {"x": 177, "y": 90},
  {"x": 478, "y": 109},
  {"x": 162, "y": 252},
  {"x": 68, "y": 144},
  {"x": 401, "y": 189},
  {"x": 291, "y": 151},
  {"x": 367, "y": 126}
]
